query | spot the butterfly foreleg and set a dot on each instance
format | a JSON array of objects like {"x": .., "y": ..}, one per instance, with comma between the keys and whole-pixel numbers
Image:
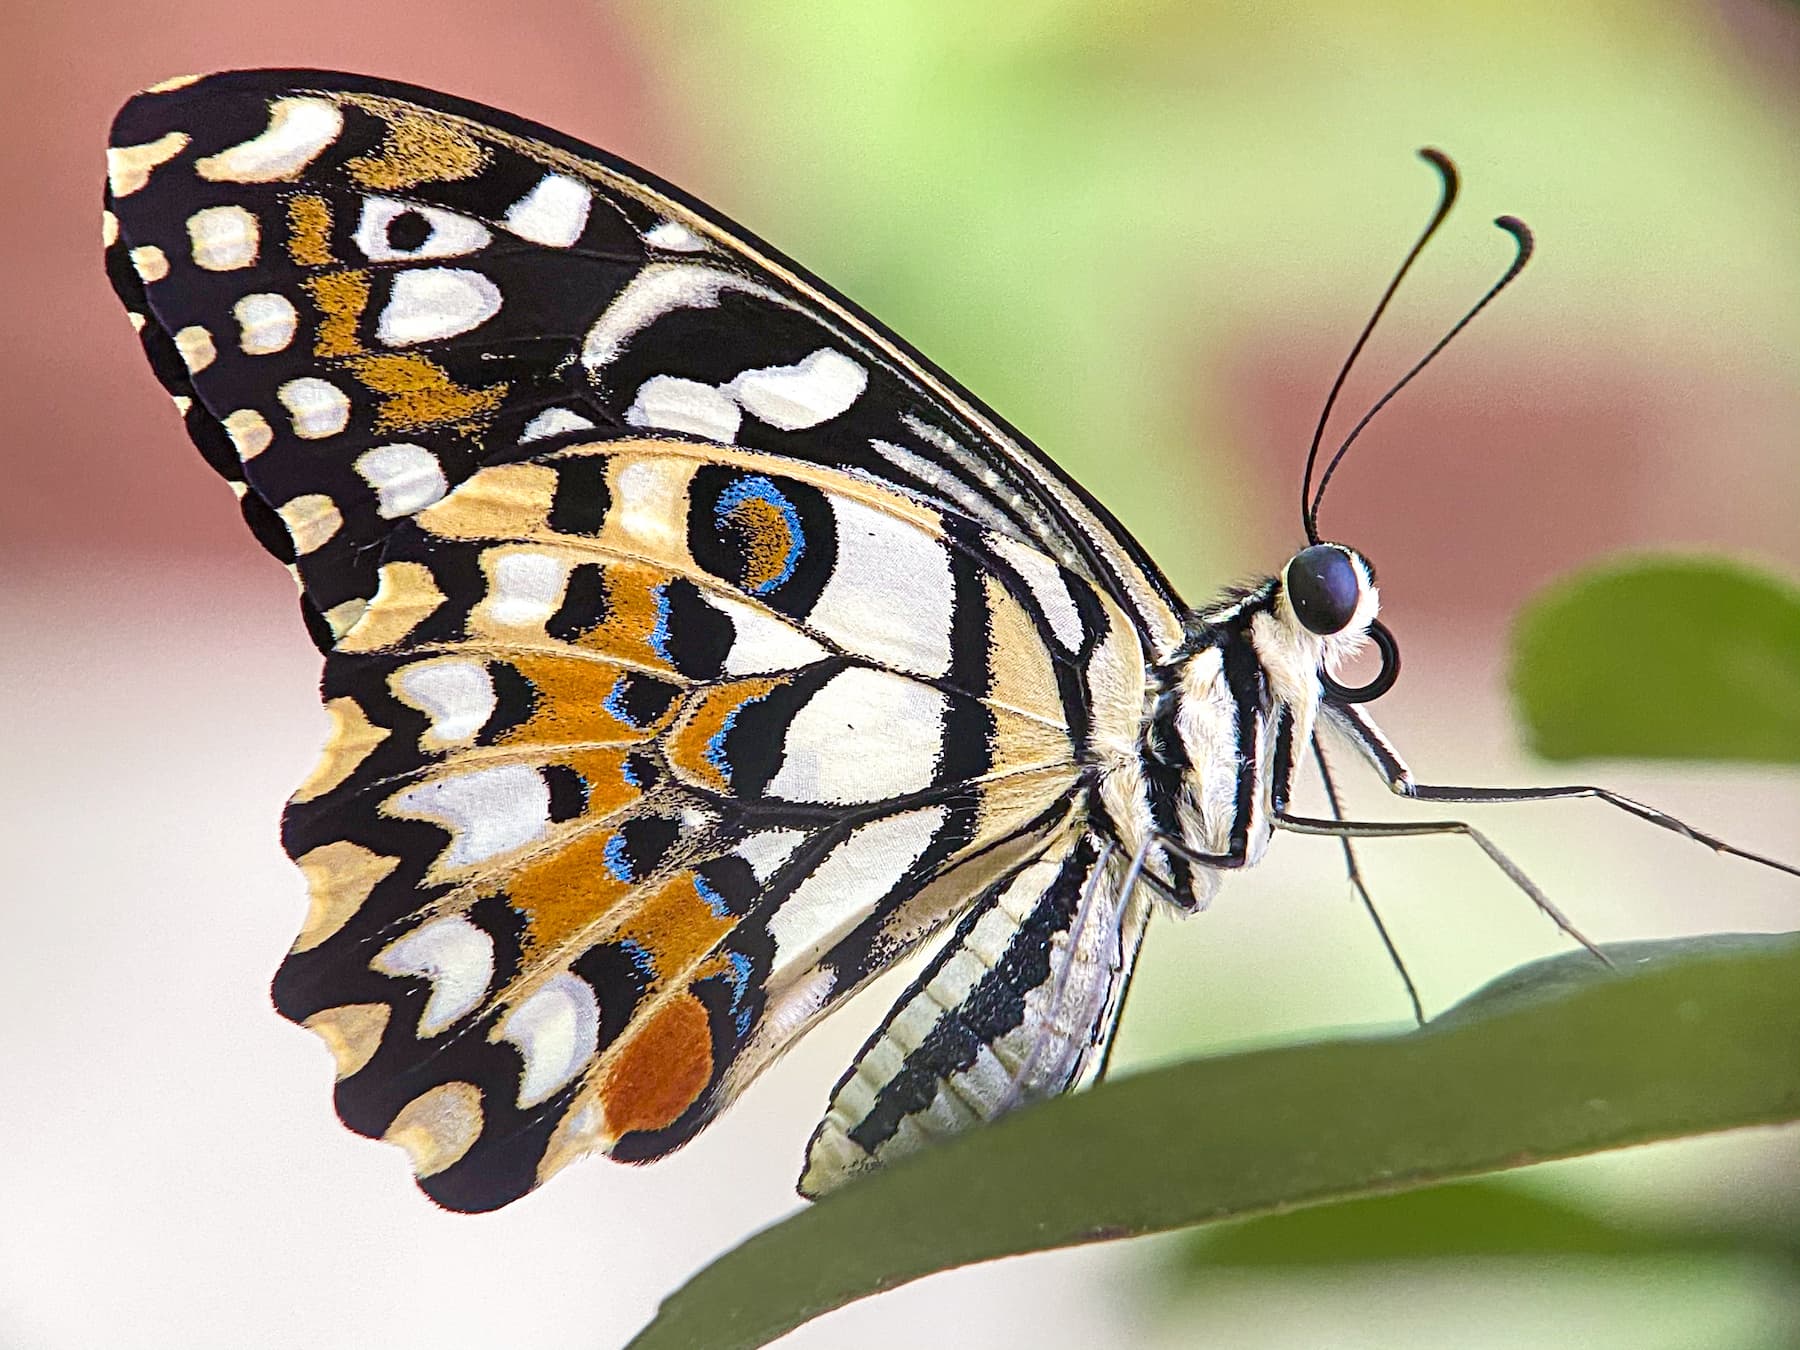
[{"x": 1361, "y": 731}]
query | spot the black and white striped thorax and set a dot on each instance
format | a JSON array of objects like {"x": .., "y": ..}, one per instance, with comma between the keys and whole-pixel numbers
[
  {"x": 1018, "y": 1004},
  {"x": 1230, "y": 714}
]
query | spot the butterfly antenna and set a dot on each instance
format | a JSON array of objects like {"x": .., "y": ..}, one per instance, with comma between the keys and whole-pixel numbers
[
  {"x": 1521, "y": 233},
  {"x": 1446, "y": 171}
]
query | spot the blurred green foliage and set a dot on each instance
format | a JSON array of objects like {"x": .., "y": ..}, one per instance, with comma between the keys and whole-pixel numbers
[
  {"x": 1107, "y": 218},
  {"x": 1666, "y": 658}
]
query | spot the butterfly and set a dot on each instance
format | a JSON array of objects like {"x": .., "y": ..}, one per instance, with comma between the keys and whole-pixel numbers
[{"x": 694, "y": 648}]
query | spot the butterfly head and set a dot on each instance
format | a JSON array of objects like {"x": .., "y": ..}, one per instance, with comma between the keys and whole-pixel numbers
[{"x": 1327, "y": 593}]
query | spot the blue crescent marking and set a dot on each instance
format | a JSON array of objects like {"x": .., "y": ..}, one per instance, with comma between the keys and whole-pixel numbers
[
  {"x": 757, "y": 487},
  {"x": 640, "y": 955},
  {"x": 715, "y": 744},
  {"x": 614, "y": 702},
  {"x": 714, "y": 901},
  {"x": 616, "y": 861},
  {"x": 740, "y": 979},
  {"x": 659, "y": 635}
]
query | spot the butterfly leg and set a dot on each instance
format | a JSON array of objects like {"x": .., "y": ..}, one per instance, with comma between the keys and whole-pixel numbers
[
  {"x": 1433, "y": 793},
  {"x": 1362, "y": 891},
  {"x": 1398, "y": 829},
  {"x": 1363, "y": 733}
]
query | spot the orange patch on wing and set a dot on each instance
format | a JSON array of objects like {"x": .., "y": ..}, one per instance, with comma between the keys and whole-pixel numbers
[
  {"x": 676, "y": 927},
  {"x": 566, "y": 890},
  {"x": 309, "y": 230},
  {"x": 690, "y": 746},
  {"x": 768, "y": 542},
  {"x": 660, "y": 1070},
  {"x": 603, "y": 772},
  {"x": 417, "y": 394},
  {"x": 633, "y": 610},
  {"x": 571, "y": 704},
  {"x": 341, "y": 298},
  {"x": 420, "y": 147}
]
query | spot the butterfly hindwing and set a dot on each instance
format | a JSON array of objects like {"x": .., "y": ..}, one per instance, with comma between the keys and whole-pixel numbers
[{"x": 623, "y": 796}]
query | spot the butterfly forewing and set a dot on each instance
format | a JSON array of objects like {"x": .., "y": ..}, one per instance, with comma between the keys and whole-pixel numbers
[{"x": 364, "y": 291}]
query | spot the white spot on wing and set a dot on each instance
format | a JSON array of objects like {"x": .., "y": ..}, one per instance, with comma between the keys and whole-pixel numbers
[
  {"x": 223, "y": 238},
  {"x": 768, "y": 849},
  {"x": 299, "y": 130},
  {"x": 553, "y": 422},
  {"x": 436, "y": 302},
  {"x": 650, "y": 504},
  {"x": 196, "y": 347},
  {"x": 266, "y": 323},
  {"x": 865, "y": 736},
  {"x": 814, "y": 389},
  {"x": 553, "y": 213},
  {"x": 249, "y": 431},
  {"x": 128, "y": 167},
  {"x": 673, "y": 404},
  {"x": 653, "y": 292},
  {"x": 450, "y": 235},
  {"x": 527, "y": 588},
  {"x": 958, "y": 496},
  {"x": 556, "y": 1031},
  {"x": 150, "y": 263},
  {"x": 675, "y": 237},
  {"x": 891, "y": 593},
  {"x": 318, "y": 407},
  {"x": 455, "y": 693},
  {"x": 312, "y": 519},
  {"x": 762, "y": 643},
  {"x": 406, "y": 477},
  {"x": 487, "y": 811},
  {"x": 455, "y": 955},
  {"x": 845, "y": 888}
]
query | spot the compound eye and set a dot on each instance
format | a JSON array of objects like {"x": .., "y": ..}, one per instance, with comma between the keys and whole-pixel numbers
[{"x": 1324, "y": 588}]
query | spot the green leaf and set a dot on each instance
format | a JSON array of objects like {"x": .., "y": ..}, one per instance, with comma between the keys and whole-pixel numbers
[
  {"x": 1462, "y": 1220},
  {"x": 1562, "y": 1057},
  {"x": 1662, "y": 658}
]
